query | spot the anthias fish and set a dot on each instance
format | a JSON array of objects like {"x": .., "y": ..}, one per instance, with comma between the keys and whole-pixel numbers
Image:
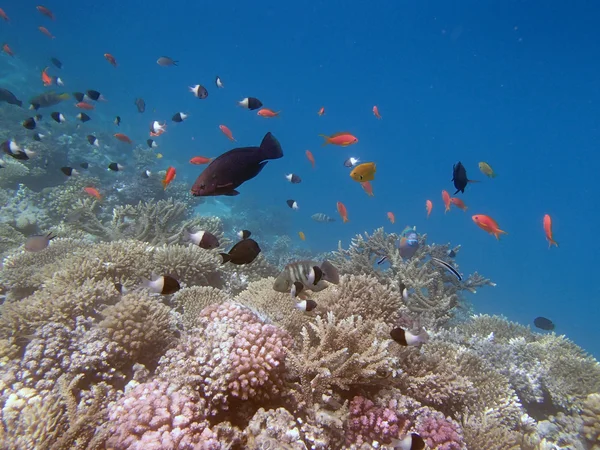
[{"x": 233, "y": 168}]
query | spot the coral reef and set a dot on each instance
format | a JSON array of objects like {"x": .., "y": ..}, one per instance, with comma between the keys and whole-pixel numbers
[{"x": 229, "y": 363}]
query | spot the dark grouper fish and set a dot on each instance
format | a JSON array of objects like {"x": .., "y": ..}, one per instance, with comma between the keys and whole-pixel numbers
[{"x": 225, "y": 173}]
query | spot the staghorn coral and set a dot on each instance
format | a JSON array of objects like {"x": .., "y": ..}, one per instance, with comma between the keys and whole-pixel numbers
[
  {"x": 10, "y": 239},
  {"x": 363, "y": 295},
  {"x": 237, "y": 278},
  {"x": 338, "y": 353},
  {"x": 231, "y": 356},
  {"x": 273, "y": 429},
  {"x": 188, "y": 264},
  {"x": 13, "y": 171}
]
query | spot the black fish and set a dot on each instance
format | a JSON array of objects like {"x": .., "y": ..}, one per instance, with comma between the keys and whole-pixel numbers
[
  {"x": 9, "y": 97},
  {"x": 37, "y": 137},
  {"x": 146, "y": 174},
  {"x": 293, "y": 178},
  {"x": 179, "y": 117},
  {"x": 244, "y": 234},
  {"x": 115, "y": 167},
  {"x": 225, "y": 173},
  {"x": 68, "y": 171},
  {"x": 141, "y": 104},
  {"x": 79, "y": 96},
  {"x": 251, "y": 103},
  {"x": 29, "y": 123},
  {"x": 58, "y": 117},
  {"x": 118, "y": 121},
  {"x": 56, "y": 62},
  {"x": 151, "y": 143},
  {"x": 459, "y": 177},
  {"x": 199, "y": 91},
  {"x": 93, "y": 140},
  {"x": 543, "y": 324},
  {"x": 218, "y": 82},
  {"x": 244, "y": 252},
  {"x": 94, "y": 95},
  {"x": 83, "y": 117},
  {"x": 292, "y": 204}
]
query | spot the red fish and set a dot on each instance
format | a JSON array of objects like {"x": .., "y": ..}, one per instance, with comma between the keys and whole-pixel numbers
[
  {"x": 376, "y": 112},
  {"x": 446, "y": 199},
  {"x": 46, "y": 79},
  {"x": 268, "y": 113},
  {"x": 123, "y": 138},
  {"x": 169, "y": 176},
  {"x": 428, "y": 207},
  {"x": 488, "y": 224},
  {"x": 45, "y": 11},
  {"x": 458, "y": 203},
  {"x": 548, "y": 230},
  {"x": 391, "y": 217},
  {"x": 3, "y": 15},
  {"x": 84, "y": 105},
  {"x": 200, "y": 160},
  {"x": 343, "y": 212},
  {"x": 6, "y": 49},
  {"x": 344, "y": 139},
  {"x": 46, "y": 32},
  {"x": 227, "y": 132},
  {"x": 111, "y": 59},
  {"x": 93, "y": 192},
  {"x": 368, "y": 188},
  {"x": 310, "y": 157},
  {"x": 321, "y": 111}
]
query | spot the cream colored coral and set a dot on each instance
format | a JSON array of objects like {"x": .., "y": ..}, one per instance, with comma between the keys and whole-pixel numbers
[
  {"x": 193, "y": 300},
  {"x": 591, "y": 420}
]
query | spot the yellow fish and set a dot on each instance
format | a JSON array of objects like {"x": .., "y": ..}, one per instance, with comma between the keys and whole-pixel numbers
[
  {"x": 159, "y": 155},
  {"x": 364, "y": 172},
  {"x": 486, "y": 169},
  {"x": 301, "y": 234}
]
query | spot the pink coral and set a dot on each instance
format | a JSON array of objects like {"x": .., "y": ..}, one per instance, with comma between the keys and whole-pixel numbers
[
  {"x": 368, "y": 423},
  {"x": 159, "y": 415},
  {"x": 232, "y": 354},
  {"x": 439, "y": 432}
]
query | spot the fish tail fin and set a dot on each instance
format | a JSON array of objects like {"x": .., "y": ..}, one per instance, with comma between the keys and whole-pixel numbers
[
  {"x": 345, "y": 219},
  {"x": 20, "y": 103},
  {"x": 271, "y": 148},
  {"x": 330, "y": 272},
  {"x": 423, "y": 336},
  {"x": 326, "y": 141},
  {"x": 498, "y": 233},
  {"x": 164, "y": 184},
  {"x": 175, "y": 63},
  {"x": 226, "y": 257},
  {"x": 552, "y": 242}
]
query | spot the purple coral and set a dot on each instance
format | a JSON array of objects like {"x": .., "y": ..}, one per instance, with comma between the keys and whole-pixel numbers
[
  {"x": 159, "y": 415},
  {"x": 368, "y": 423},
  {"x": 232, "y": 354},
  {"x": 440, "y": 432}
]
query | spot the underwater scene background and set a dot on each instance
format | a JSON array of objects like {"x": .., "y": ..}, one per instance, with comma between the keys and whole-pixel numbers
[{"x": 123, "y": 326}]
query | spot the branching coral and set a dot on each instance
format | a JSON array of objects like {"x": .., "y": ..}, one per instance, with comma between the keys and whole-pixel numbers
[
  {"x": 339, "y": 353},
  {"x": 194, "y": 299}
]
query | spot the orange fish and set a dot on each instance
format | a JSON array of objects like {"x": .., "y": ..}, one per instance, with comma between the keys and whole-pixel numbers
[
  {"x": 45, "y": 11},
  {"x": 6, "y": 49},
  {"x": 93, "y": 192},
  {"x": 123, "y": 138},
  {"x": 111, "y": 59},
  {"x": 46, "y": 32},
  {"x": 169, "y": 176},
  {"x": 301, "y": 234},
  {"x": 428, "y": 207},
  {"x": 84, "y": 105},
  {"x": 343, "y": 212},
  {"x": 368, "y": 188},
  {"x": 343, "y": 138},
  {"x": 200, "y": 160},
  {"x": 548, "y": 230},
  {"x": 376, "y": 112},
  {"x": 321, "y": 111},
  {"x": 458, "y": 203},
  {"x": 3, "y": 15},
  {"x": 227, "y": 132},
  {"x": 310, "y": 157},
  {"x": 268, "y": 113},
  {"x": 488, "y": 224},
  {"x": 46, "y": 79},
  {"x": 391, "y": 217},
  {"x": 446, "y": 198}
]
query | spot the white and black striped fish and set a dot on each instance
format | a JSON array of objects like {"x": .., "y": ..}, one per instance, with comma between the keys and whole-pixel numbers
[
  {"x": 447, "y": 266},
  {"x": 310, "y": 273}
]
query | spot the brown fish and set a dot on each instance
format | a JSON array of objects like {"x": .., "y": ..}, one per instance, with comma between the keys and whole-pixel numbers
[{"x": 244, "y": 252}]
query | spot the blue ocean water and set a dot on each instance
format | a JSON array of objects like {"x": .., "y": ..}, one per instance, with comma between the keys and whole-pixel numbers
[{"x": 514, "y": 84}]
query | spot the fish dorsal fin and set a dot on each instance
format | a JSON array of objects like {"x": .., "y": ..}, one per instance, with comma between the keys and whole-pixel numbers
[{"x": 340, "y": 133}]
